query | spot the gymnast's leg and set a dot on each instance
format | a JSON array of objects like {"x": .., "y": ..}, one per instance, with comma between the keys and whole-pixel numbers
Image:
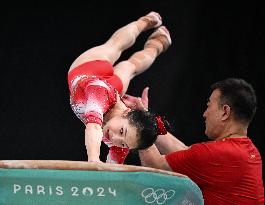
[
  {"x": 122, "y": 39},
  {"x": 140, "y": 61}
]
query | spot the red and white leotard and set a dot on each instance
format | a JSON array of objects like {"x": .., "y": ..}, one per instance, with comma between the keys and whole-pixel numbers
[{"x": 93, "y": 92}]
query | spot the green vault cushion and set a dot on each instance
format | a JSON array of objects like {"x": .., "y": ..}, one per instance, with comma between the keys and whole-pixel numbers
[{"x": 78, "y": 183}]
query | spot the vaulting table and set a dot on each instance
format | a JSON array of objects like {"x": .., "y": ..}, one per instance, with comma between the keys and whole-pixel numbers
[{"x": 55, "y": 182}]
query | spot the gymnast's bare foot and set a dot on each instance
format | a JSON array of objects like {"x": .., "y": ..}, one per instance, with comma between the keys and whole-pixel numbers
[
  {"x": 151, "y": 20},
  {"x": 160, "y": 39}
]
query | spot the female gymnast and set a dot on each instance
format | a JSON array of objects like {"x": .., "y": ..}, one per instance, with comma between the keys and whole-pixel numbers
[{"x": 97, "y": 86}]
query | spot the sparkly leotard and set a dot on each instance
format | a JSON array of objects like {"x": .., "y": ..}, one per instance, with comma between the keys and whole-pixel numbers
[{"x": 93, "y": 92}]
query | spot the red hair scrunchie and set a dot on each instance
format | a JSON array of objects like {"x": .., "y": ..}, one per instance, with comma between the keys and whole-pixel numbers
[{"x": 161, "y": 127}]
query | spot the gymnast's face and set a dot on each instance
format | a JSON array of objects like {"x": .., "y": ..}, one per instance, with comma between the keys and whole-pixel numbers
[{"x": 120, "y": 132}]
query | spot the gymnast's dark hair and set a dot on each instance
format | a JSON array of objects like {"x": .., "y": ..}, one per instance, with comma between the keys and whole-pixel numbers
[
  {"x": 147, "y": 127},
  {"x": 240, "y": 96}
]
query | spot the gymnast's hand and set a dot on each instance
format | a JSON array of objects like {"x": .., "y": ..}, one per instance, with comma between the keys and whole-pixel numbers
[
  {"x": 137, "y": 102},
  {"x": 93, "y": 137}
]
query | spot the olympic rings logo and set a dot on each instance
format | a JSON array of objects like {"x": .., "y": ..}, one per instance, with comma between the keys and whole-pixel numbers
[{"x": 160, "y": 196}]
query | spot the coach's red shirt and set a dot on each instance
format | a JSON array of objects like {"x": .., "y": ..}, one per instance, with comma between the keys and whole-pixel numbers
[{"x": 227, "y": 171}]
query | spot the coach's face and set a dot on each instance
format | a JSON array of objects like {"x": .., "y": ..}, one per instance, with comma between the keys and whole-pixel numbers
[{"x": 213, "y": 116}]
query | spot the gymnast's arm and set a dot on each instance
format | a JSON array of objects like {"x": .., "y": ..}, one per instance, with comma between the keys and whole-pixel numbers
[{"x": 93, "y": 137}]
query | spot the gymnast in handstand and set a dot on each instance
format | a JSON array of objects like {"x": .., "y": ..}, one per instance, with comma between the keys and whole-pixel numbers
[{"x": 97, "y": 86}]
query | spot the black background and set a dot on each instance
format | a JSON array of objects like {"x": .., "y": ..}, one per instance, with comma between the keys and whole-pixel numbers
[{"x": 39, "y": 41}]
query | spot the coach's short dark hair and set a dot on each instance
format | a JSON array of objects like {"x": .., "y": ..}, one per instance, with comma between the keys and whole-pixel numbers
[{"x": 240, "y": 96}]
